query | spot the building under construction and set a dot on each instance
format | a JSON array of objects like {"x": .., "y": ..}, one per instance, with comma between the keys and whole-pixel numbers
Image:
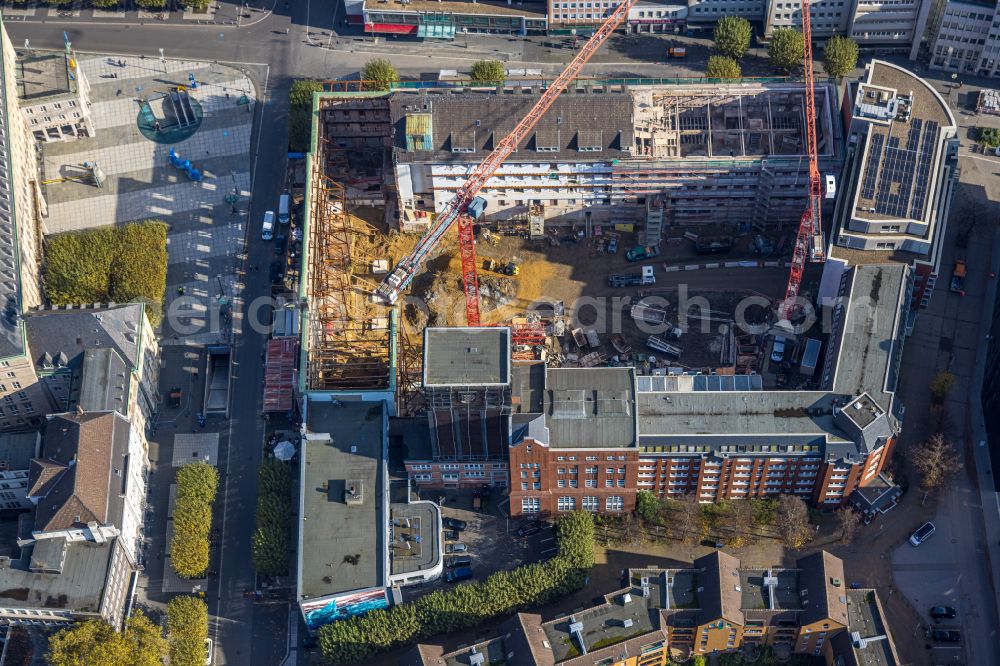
[
  {"x": 348, "y": 340},
  {"x": 714, "y": 153}
]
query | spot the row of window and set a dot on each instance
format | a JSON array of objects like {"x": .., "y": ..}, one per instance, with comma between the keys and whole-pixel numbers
[
  {"x": 589, "y": 503},
  {"x": 448, "y": 466}
]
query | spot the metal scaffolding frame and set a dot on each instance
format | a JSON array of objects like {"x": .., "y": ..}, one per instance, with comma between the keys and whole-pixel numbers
[{"x": 350, "y": 337}]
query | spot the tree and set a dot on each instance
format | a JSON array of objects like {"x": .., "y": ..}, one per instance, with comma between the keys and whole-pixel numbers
[
  {"x": 848, "y": 522},
  {"x": 698, "y": 660},
  {"x": 722, "y": 67},
  {"x": 792, "y": 517},
  {"x": 379, "y": 74},
  {"x": 152, "y": 4},
  {"x": 988, "y": 137},
  {"x": 300, "y": 99},
  {"x": 358, "y": 639},
  {"x": 96, "y": 642},
  {"x": 786, "y": 49},
  {"x": 732, "y": 36},
  {"x": 648, "y": 507},
  {"x": 489, "y": 71},
  {"x": 197, "y": 484},
  {"x": 126, "y": 264},
  {"x": 270, "y": 539},
  {"x": 104, "y": 3},
  {"x": 937, "y": 461},
  {"x": 840, "y": 56},
  {"x": 187, "y": 629},
  {"x": 941, "y": 386},
  {"x": 684, "y": 519},
  {"x": 738, "y": 520}
]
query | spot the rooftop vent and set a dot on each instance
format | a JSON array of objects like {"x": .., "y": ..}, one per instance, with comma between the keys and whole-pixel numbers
[{"x": 354, "y": 492}]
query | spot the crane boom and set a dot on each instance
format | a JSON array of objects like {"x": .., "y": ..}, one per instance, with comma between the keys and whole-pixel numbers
[
  {"x": 809, "y": 239},
  {"x": 406, "y": 269}
]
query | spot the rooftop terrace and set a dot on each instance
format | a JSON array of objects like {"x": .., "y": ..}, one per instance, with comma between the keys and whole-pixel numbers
[
  {"x": 756, "y": 587},
  {"x": 906, "y": 117}
]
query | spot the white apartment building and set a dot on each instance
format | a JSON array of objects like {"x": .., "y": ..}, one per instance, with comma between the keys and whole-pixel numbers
[
  {"x": 965, "y": 37},
  {"x": 878, "y": 25}
]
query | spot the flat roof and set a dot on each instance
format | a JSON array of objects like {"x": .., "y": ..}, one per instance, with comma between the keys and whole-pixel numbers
[
  {"x": 872, "y": 333},
  {"x": 343, "y": 545},
  {"x": 590, "y": 407},
  {"x": 864, "y": 615},
  {"x": 467, "y": 356},
  {"x": 18, "y": 448},
  {"x": 755, "y": 595},
  {"x": 418, "y": 546},
  {"x": 79, "y": 586},
  {"x": 42, "y": 77},
  {"x": 605, "y": 625},
  {"x": 903, "y": 147}
]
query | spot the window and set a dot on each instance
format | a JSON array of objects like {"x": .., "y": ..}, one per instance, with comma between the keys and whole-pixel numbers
[
  {"x": 422, "y": 477},
  {"x": 524, "y": 486},
  {"x": 474, "y": 475},
  {"x": 530, "y": 505},
  {"x": 614, "y": 503},
  {"x": 609, "y": 483},
  {"x": 420, "y": 467},
  {"x": 573, "y": 483},
  {"x": 16, "y": 385},
  {"x": 567, "y": 504},
  {"x": 590, "y": 504},
  {"x": 561, "y": 483},
  {"x": 449, "y": 477},
  {"x": 11, "y": 374},
  {"x": 621, "y": 470},
  {"x": 474, "y": 466},
  {"x": 591, "y": 483}
]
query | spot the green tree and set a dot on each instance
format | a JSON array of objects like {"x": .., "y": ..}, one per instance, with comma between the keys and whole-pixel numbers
[
  {"x": 732, "y": 36},
  {"x": 379, "y": 74},
  {"x": 648, "y": 507},
  {"x": 105, "y": 3},
  {"x": 988, "y": 137},
  {"x": 152, "y": 4},
  {"x": 269, "y": 542},
  {"x": 840, "y": 56},
  {"x": 786, "y": 49},
  {"x": 300, "y": 98},
  {"x": 489, "y": 71},
  {"x": 96, "y": 642},
  {"x": 197, "y": 484},
  {"x": 722, "y": 67},
  {"x": 444, "y": 611},
  {"x": 698, "y": 660},
  {"x": 187, "y": 629},
  {"x": 123, "y": 264}
]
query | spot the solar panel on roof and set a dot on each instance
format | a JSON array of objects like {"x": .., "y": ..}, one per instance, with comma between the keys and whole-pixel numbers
[
  {"x": 921, "y": 181},
  {"x": 871, "y": 170}
]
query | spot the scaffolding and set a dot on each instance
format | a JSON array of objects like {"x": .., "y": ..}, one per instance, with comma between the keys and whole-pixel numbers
[{"x": 350, "y": 337}]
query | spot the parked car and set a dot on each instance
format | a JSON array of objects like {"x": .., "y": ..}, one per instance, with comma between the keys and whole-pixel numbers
[
  {"x": 528, "y": 531},
  {"x": 276, "y": 271},
  {"x": 922, "y": 534},
  {"x": 454, "y": 523},
  {"x": 613, "y": 246},
  {"x": 279, "y": 245},
  {"x": 457, "y": 561},
  {"x": 209, "y": 649},
  {"x": 943, "y": 612},
  {"x": 778, "y": 350},
  {"x": 451, "y": 535},
  {"x": 267, "y": 226},
  {"x": 455, "y": 575},
  {"x": 946, "y": 636},
  {"x": 456, "y": 548}
]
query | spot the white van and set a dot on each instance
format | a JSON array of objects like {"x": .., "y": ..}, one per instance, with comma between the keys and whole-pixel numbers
[
  {"x": 267, "y": 227},
  {"x": 284, "y": 208}
]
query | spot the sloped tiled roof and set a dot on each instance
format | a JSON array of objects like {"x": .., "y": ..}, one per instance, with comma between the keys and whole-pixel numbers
[
  {"x": 721, "y": 580},
  {"x": 91, "y": 448}
]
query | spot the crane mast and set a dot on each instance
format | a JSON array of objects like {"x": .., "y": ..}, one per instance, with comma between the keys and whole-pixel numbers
[
  {"x": 809, "y": 241},
  {"x": 404, "y": 272}
]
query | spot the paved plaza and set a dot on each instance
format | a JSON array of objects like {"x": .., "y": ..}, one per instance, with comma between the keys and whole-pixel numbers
[{"x": 206, "y": 227}]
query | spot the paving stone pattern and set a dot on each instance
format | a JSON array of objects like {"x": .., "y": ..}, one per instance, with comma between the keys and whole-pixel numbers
[{"x": 205, "y": 234}]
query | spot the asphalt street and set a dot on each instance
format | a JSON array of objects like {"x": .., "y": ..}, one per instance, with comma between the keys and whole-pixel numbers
[{"x": 254, "y": 634}]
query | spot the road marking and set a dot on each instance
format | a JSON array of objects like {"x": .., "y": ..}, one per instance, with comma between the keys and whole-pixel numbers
[{"x": 547, "y": 540}]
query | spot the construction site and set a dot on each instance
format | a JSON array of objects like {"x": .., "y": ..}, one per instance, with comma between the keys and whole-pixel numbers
[{"x": 695, "y": 176}]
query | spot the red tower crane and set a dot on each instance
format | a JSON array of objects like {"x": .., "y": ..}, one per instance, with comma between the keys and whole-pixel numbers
[
  {"x": 809, "y": 239},
  {"x": 457, "y": 207}
]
